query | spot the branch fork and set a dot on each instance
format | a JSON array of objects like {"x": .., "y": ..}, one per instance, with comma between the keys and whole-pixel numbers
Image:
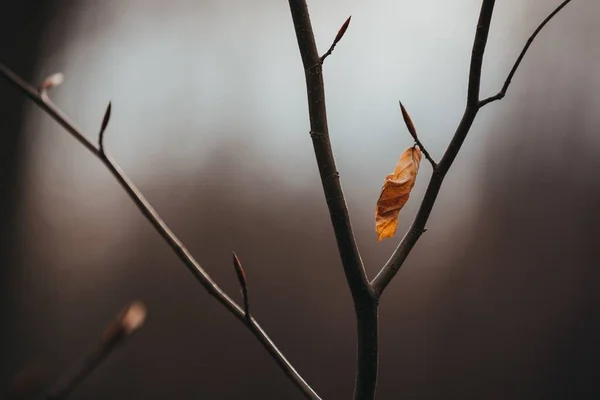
[
  {"x": 365, "y": 294},
  {"x": 366, "y": 306}
]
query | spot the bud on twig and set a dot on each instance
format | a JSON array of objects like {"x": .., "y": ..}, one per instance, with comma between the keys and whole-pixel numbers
[
  {"x": 338, "y": 37},
  {"x": 51, "y": 82},
  {"x": 408, "y": 122},
  {"x": 413, "y": 132}
]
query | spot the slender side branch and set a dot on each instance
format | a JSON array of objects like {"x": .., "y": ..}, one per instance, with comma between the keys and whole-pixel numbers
[
  {"x": 417, "y": 228},
  {"x": 161, "y": 227},
  {"x": 365, "y": 303},
  {"x": 338, "y": 37},
  {"x": 426, "y": 154},
  {"x": 500, "y": 95}
]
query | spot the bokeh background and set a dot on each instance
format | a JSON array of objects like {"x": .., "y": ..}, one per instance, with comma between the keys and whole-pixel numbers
[{"x": 498, "y": 300}]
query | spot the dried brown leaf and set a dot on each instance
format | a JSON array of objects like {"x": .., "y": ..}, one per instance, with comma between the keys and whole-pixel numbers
[{"x": 395, "y": 192}]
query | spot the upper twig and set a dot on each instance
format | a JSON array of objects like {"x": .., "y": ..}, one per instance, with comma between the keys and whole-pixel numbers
[
  {"x": 162, "y": 228},
  {"x": 481, "y": 36},
  {"x": 338, "y": 37},
  {"x": 500, "y": 95}
]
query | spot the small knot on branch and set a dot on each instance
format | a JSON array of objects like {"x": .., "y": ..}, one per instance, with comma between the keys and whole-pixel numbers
[
  {"x": 317, "y": 135},
  {"x": 335, "y": 175}
]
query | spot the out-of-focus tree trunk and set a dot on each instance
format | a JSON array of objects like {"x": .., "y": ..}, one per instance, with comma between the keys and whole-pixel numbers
[{"x": 21, "y": 31}]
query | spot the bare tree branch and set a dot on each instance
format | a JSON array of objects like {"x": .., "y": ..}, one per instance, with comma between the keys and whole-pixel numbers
[
  {"x": 365, "y": 303},
  {"x": 411, "y": 237},
  {"x": 417, "y": 228},
  {"x": 161, "y": 227},
  {"x": 500, "y": 95},
  {"x": 338, "y": 37}
]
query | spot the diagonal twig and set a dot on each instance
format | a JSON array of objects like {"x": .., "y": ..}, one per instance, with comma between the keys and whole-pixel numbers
[
  {"x": 365, "y": 303},
  {"x": 500, "y": 95},
  {"x": 162, "y": 228}
]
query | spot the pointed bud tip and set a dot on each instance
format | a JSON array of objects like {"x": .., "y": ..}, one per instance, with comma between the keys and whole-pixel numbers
[
  {"x": 342, "y": 30},
  {"x": 106, "y": 117},
  {"x": 408, "y": 121}
]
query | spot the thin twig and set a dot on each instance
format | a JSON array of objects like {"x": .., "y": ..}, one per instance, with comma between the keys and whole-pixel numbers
[
  {"x": 128, "y": 321},
  {"x": 500, "y": 95},
  {"x": 162, "y": 228},
  {"x": 365, "y": 303},
  {"x": 391, "y": 267},
  {"x": 426, "y": 154},
  {"x": 239, "y": 271},
  {"x": 338, "y": 37},
  {"x": 413, "y": 132}
]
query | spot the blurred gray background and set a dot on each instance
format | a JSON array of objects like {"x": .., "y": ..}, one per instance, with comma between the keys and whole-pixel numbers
[{"x": 499, "y": 298}]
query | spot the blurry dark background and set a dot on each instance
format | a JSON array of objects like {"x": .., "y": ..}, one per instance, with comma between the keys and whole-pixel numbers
[{"x": 498, "y": 299}]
